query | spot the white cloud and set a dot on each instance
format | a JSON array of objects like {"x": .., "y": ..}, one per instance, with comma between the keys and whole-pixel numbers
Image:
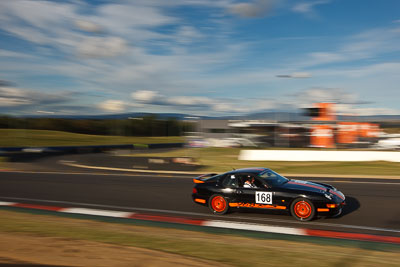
[
  {"x": 307, "y": 8},
  {"x": 122, "y": 18},
  {"x": 318, "y": 95},
  {"x": 12, "y": 102},
  {"x": 349, "y": 110},
  {"x": 366, "y": 45},
  {"x": 155, "y": 98},
  {"x": 206, "y": 105},
  {"x": 295, "y": 75},
  {"x": 387, "y": 69},
  {"x": 88, "y": 26},
  {"x": 40, "y": 14},
  {"x": 12, "y": 54},
  {"x": 41, "y": 22},
  {"x": 326, "y": 57},
  {"x": 254, "y": 9},
  {"x": 145, "y": 96},
  {"x": 128, "y": 29},
  {"x": 11, "y": 96},
  {"x": 187, "y": 34},
  {"x": 102, "y": 46},
  {"x": 29, "y": 34},
  {"x": 190, "y": 101},
  {"x": 112, "y": 106},
  {"x": 151, "y": 99},
  {"x": 371, "y": 71},
  {"x": 345, "y": 103},
  {"x": 169, "y": 61}
]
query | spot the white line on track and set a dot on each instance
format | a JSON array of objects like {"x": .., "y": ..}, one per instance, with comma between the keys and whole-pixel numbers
[
  {"x": 169, "y": 176},
  {"x": 131, "y": 170},
  {"x": 95, "y": 174},
  {"x": 72, "y": 164},
  {"x": 4, "y": 203},
  {"x": 97, "y": 212},
  {"x": 359, "y": 227},
  {"x": 354, "y": 182},
  {"x": 254, "y": 227}
]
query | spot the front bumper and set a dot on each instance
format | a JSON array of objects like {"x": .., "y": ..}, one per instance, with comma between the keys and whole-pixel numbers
[{"x": 329, "y": 210}]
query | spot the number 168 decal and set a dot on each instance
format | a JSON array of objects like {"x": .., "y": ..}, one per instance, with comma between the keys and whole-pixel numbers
[{"x": 263, "y": 197}]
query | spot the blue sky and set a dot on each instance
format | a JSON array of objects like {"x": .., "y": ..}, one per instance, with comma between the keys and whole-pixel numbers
[{"x": 203, "y": 57}]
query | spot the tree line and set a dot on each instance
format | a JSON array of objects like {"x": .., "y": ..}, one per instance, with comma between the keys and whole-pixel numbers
[{"x": 149, "y": 125}]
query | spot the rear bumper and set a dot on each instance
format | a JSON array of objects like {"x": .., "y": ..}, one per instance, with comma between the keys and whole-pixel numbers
[{"x": 198, "y": 199}]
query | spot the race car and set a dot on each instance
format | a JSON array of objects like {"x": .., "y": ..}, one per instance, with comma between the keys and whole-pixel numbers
[{"x": 262, "y": 188}]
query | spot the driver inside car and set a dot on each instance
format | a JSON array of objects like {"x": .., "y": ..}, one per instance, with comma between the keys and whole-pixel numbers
[{"x": 249, "y": 183}]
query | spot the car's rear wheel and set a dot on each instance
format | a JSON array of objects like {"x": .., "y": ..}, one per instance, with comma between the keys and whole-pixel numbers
[
  {"x": 218, "y": 204},
  {"x": 302, "y": 209}
]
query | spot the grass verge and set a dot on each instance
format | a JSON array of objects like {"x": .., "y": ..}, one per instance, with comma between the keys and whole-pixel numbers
[
  {"x": 213, "y": 159},
  {"x": 224, "y": 159},
  {"x": 223, "y": 248},
  {"x": 34, "y": 138}
]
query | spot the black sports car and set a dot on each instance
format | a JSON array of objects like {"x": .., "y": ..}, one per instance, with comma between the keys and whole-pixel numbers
[{"x": 263, "y": 188}]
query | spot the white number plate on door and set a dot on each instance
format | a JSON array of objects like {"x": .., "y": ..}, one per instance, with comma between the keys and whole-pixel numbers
[{"x": 263, "y": 197}]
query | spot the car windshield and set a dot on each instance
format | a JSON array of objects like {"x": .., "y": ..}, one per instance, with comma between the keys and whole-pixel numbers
[{"x": 272, "y": 178}]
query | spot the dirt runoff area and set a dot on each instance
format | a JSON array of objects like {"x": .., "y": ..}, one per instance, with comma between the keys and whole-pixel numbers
[
  {"x": 24, "y": 249},
  {"x": 36, "y": 239}
]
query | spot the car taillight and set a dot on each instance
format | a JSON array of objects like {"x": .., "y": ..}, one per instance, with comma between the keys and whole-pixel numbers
[
  {"x": 194, "y": 191},
  {"x": 331, "y": 206}
]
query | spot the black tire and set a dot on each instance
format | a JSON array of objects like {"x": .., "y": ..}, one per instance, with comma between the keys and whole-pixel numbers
[
  {"x": 302, "y": 209},
  {"x": 218, "y": 204}
]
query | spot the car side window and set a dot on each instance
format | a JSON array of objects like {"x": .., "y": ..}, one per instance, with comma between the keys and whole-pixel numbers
[
  {"x": 249, "y": 181},
  {"x": 230, "y": 181}
]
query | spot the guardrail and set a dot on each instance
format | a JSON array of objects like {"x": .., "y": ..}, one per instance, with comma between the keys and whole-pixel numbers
[
  {"x": 312, "y": 155},
  {"x": 73, "y": 149},
  {"x": 15, "y": 152}
]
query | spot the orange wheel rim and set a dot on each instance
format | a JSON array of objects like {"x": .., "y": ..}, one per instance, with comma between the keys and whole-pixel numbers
[
  {"x": 218, "y": 204},
  {"x": 302, "y": 209}
]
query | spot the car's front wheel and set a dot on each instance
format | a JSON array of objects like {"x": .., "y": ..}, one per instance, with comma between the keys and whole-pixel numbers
[
  {"x": 218, "y": 204},
  {"x": 302, "y": 209}
]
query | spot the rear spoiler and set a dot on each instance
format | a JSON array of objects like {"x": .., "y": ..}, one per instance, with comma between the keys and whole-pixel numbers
[{"x": 199, "y": 179}]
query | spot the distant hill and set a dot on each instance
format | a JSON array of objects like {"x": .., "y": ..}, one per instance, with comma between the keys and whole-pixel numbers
[
  {"x": 113, "y": 116},
  {"x": 271, "y": 116}
]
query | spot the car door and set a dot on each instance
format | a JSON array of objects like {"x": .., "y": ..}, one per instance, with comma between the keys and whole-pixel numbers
[
  {"x": 229, "y": 187},
  {"x": 253, "y": 197}
]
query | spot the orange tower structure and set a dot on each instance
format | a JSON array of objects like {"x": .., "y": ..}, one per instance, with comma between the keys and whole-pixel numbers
[{"x": 322, "y": 135}]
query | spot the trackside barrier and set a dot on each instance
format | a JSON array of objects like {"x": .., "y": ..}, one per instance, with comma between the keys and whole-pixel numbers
[
  {"x": 27, "y": 151},
  {"x": 62, "y": 148},
  {"x": 166, "y": 145},
  {"x": 312, "y": 155},
  {"x": 207, "y": 223}
]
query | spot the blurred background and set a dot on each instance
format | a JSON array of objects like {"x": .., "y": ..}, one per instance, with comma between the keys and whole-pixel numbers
[
  {"x": 263, "y": 73},
  {"x": 255, "y": 73},
  {"x": 169, "y": 89}
]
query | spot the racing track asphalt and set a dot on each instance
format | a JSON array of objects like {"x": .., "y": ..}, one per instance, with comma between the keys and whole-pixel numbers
[{"x": 372, "y": 206}]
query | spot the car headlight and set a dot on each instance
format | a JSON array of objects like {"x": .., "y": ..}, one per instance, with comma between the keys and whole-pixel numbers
[{"x": 328, "y": 196}]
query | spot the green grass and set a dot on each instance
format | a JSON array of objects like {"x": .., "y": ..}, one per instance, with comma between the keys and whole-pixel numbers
[
  {"x": 34, "y": 138},
  {"x": 392, "y": 130},
  {"x": 223, "y": 248},
  {"x": 224, "y": 159},
  {"x": 213, "y": 159}
]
